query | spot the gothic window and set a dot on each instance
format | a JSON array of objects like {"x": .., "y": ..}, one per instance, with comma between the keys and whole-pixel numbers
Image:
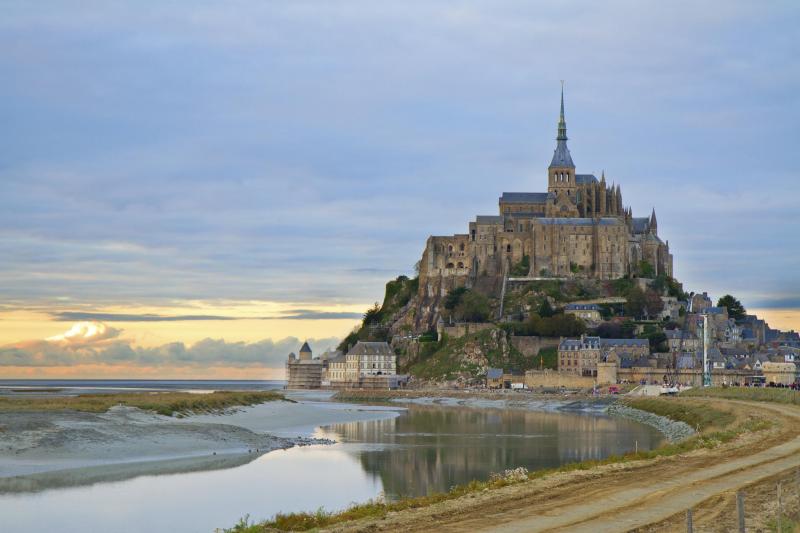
[
  {"x": 449, "y": 265},
  {"x": 450, "y": 248}
]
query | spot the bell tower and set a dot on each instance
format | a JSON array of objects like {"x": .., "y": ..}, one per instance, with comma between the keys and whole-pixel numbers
[{"x": 561, "y": 172}]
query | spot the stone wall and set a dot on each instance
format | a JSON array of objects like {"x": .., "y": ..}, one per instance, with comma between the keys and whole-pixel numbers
[
  {"x": 552, "y": 378},
  {"x": 456, "y": 331},
  {"x": 530, "y": 346}
]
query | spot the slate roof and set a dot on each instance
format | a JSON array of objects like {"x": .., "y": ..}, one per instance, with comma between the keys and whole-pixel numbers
[
  {"x": 488, "y": 219},
  {"x": 524, "y": 197},
  {"x": 305, "y": 348},
  {"x": 581, "y": 307},
  {"x": 575, "y": 221},
  {"x": 585, "y": 178},
  {"x": 640, "y": 224},
  {"x": 624, "y": 342},
  {"x": 715, "y": 310},
  {"x": 561, "y": 156},
  {"x": 494, "y": 373},
  {"x": 371, "y": 348}
]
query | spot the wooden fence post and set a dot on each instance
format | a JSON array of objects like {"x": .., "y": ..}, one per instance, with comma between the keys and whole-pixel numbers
[
  {"x": 689, "y": 526},
  {"x": 780, "y": 511},
  {"x": 740, "y": 510}
]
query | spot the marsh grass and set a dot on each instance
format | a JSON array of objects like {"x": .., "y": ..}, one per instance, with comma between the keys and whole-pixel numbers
[
  {"x": 702, "y": 416},
  {"x": 163, "y": 403},
  {"x": 699, "y": 418},
  {"x": 758, "y": 394}
]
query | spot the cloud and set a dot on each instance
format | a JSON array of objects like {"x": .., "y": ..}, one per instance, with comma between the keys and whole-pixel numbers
[
  {"x": 98, "y": 344},
  {"x": 159, "y": 156},
  {"x": 69, "y": 316},
  {"x": 294, "y": 314}
]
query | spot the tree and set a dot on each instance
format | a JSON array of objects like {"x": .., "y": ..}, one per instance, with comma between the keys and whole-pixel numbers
[
  {"x": 609, "y": 330},
  {"x": 374, "y": 315},
  {"x": 636, "y": 301},
  {"x": 653, "y": 303},
  {"x": 474, "y": 307},
  {"x": 545, "y": 309},
  {"x": 735, "y": 308},
  {"x": 521, "y": 269},
  {"x": 454, "y": 297},
  {"x": 646, "y": 270}
]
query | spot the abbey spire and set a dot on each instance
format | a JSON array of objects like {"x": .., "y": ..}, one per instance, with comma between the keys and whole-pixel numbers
[{"x": 561, "y": 156}]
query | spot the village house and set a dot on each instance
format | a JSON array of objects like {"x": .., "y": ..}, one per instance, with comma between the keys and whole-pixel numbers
[
  {"x": 305, "y": 371},
  {"x": 677, "y": 341},
  {"x": 580, "y": 356},
  {"x": 589, "y": 313}
]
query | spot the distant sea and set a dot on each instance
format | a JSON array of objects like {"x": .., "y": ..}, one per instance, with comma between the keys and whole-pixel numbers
[{"x": 14, "y": 387}]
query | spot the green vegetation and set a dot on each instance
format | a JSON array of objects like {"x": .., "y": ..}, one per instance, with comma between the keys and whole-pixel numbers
[
  {"x": 758, "y": 394},
  {"x": 377, "y": 509},
  {"x": 664, "y": 283},
  {"x": 699, "y": 418},
  {"x": 645, "y": 270},
  {"x": 735, "y": 308},
  {"x": 445, "y": 359},
  {"x": 374, "y": 325},
  {"x": 547, "y": 358},
  {"x": 466, "y": 305},
  {"x": 557, "y": 325},
  {"x": 163, "y": 403},
  {"x": 521, "y": 269}
]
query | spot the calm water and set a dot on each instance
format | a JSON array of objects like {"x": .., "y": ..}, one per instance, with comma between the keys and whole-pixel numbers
[
  {"x": 425, "y": 449},
  {"x": 83, "y": 386}
]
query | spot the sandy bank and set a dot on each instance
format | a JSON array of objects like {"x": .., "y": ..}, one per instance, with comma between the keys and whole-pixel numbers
[{"x": 60, "y": 448}]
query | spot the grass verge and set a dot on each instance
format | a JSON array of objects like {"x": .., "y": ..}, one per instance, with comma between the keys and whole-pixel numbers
[
  {"x": 757, "y": 394},
  {"x": 709, "y": 420},
  {"x": 164, "y": 403}
]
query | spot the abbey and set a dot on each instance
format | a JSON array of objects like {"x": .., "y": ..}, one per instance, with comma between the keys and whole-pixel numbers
[{"x": 578, "y": 228}]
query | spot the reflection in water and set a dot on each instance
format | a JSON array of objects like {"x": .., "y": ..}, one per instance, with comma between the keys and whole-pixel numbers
[
  {"x": 425, "y": 449},
  {"x": 432, "y": 448}
]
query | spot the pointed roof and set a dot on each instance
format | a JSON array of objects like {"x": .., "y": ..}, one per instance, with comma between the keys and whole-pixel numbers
[
  {"x": 561, "y": 155},
  {"x": 305, "y": 348},
  {"x": 653, "y": 222}
]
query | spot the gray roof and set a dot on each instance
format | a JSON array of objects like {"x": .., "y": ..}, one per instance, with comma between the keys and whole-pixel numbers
[
  {"x": 585, "y": 178},
  {"x": 641, "y": 224},
  {"x": 305, "y": 348},
  {"x": 715, "y": 310},
  {"x": 340, "y": 358},
  {"x": 581, "y": 307},
  {"x": 575, "y": 221},
  {"x": 524, "y": 197},
  {"x": 494, "y": 373},
  {"x": 624, "y": 342},
  {"x": 488, "y": 219},
  {"x": 371, "y": 348},
  {"x": 561, "y": 156}
]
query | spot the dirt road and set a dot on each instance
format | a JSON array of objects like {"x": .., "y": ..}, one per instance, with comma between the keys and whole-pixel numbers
[{"x": 620, "y": 497}]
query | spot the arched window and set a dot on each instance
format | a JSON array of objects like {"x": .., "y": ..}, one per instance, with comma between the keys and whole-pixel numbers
[
  {"x": 450, "y": 248},
  {"x": 508, "y": 248},
  {"x": 460, "y": 264},
  {"x": 461, "y": 246},
  {"x": 449, "y": 265}
]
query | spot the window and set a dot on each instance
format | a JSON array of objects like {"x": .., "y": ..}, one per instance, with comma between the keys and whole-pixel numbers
[
  {"x": 508, "y": 248},
  {"x": 461, "y": 246}
]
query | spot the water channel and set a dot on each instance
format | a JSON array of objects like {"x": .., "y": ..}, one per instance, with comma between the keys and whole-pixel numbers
[{"x": 424, "y": 449}]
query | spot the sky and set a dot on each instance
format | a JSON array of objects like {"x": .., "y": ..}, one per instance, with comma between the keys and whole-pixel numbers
[{"x": 191, "y": 189}]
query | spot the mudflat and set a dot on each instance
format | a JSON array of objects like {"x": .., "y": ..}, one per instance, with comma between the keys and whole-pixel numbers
[{"x": 41, "y": 449}]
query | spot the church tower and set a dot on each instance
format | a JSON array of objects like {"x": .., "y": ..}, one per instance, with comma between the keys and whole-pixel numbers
[{"x": 561, "y": 172}]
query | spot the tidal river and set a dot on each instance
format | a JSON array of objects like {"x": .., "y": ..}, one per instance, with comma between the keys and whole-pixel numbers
[{"x": 405, "y": 451}]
